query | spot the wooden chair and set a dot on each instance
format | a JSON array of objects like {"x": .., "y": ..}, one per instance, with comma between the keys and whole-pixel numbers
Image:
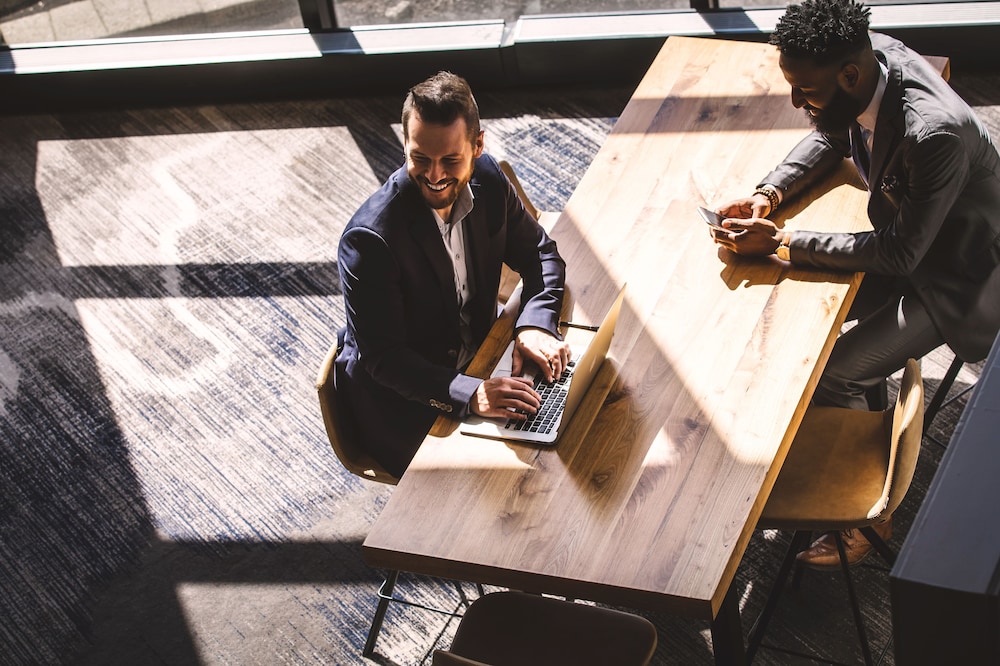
[
  {"x": 845, "y": 469},
  {"x": 878, "y": 397},
  {"x": 519, "y": 629},
  {"x": 343, "y": 439},
  {"x": 509, "y": 279},
  {"x": 339, "y": 428}
]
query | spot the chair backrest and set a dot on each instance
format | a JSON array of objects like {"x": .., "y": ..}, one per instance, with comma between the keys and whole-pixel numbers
[
  {"x": 339, "y": 430},
  {"x": 516, "y": 628},
  {"x": 904, "y": 445},
  {"x": 508, "y": 278},
  {"x": 509, "y": 171}
]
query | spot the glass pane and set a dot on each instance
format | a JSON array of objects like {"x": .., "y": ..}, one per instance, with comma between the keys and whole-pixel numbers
[
  {"x": 375, "y": 12},
  {"x": 755, "y": 4},
  {"x": 771, "y": 4},
  {"x": 27, "y": 21}
]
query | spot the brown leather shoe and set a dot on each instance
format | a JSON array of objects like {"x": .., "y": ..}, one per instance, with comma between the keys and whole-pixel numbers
[{"x": 822, "y": 554}]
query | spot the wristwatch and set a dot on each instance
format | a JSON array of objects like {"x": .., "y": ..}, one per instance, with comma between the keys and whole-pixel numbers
[{"x": 782, "y": 250}]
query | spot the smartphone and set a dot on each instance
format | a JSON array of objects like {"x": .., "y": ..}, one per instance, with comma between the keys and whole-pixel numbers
[{"x": 713, "y": 219}]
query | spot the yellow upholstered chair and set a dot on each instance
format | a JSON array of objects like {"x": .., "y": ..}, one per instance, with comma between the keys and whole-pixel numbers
[
  {"x": 509, "y": 279},
  {"x": 339, "y": 427},
  {"x": 845, "y": 469},
  {"x": 345, "y": 445},
  {"x": 519, "y": 629}
]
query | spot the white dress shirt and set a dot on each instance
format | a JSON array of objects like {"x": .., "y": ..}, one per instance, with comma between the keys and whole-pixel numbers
[{"x": 453, "y": 236}]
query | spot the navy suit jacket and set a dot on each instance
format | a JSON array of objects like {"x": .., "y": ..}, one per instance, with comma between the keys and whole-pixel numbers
[
  {"x": 934, "y": 201},
  {"x": 396, "y": 372}
]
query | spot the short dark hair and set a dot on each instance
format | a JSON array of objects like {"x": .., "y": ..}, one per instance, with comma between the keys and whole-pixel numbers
[
  {"x": 440, "y": 100},
  {"x": 823, "y": 31}
]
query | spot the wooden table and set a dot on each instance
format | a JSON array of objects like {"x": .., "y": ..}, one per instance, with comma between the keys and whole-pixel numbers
[{"x": 714, "y": 360}]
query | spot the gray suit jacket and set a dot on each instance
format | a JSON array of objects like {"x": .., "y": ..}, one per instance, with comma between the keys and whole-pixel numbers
[
  {"x": 396, "y": 372},
  {"x": 934, "y": 201}
]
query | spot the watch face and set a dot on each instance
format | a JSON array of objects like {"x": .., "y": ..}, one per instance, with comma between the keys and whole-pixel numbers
[{"x": 782, "y": 252}]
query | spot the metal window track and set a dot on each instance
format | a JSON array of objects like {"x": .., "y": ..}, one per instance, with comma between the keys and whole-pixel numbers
[{"x": 542, "y": 49}]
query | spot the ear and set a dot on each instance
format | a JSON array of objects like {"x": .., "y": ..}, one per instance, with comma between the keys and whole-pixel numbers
[
  {"x": 849, "y": 77},
  {"x": 478, "y": 146}
]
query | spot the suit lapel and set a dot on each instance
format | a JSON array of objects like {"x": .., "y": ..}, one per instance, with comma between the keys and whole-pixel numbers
[
  {"x": 889, "y": 126},
  {"x": 427, "y": 236}
]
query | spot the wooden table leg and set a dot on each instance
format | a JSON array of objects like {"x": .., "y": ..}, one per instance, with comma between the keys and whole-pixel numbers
[{"x": 727, "y": 631}]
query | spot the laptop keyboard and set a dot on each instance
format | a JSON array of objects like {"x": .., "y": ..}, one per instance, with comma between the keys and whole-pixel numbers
[{"x": 553, "y": 397}]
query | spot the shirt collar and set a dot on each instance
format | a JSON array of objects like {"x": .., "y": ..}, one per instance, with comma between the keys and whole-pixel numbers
[
  {"x": 870, "y": 114},
  {"x": 463, "y": 206}
]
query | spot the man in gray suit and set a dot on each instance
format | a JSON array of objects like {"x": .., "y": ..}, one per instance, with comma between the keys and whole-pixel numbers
[{"x": 933, "y": 177}]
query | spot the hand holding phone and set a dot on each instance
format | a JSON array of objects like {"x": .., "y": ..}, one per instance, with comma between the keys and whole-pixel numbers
[{"x": 713, "y": 219}]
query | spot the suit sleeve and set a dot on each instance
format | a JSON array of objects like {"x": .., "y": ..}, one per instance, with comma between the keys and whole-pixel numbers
[
  {"x": 935, "y": 170},
  {"x": 375, "y": 308},
  {"x": 814, "y": 157},
  {"x": 534, "y": 255}
]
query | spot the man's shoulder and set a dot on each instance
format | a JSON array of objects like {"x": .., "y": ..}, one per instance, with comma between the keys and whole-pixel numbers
[
  {"x": 486, "y": 168},
  {"x": 379, "y": 207},
  {"x": 882, "y": 42},
  {"x": 927, "y": 103}
]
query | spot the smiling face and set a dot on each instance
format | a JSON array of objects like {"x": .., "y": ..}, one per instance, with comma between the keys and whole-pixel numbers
[
  {"x": 825, "y": 93},
  {"x": 439, "y": 159}
]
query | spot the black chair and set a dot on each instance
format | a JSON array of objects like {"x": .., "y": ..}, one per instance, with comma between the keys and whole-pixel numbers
[{"x": 519, "y": 629}]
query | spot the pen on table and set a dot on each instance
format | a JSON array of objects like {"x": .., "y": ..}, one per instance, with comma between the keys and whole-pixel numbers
[{"x": 583, "y": 326}]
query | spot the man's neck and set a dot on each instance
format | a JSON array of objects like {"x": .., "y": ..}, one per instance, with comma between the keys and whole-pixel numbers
[
  {"x": 869, "y": 115},
  {"x": 445, "y": 213}
]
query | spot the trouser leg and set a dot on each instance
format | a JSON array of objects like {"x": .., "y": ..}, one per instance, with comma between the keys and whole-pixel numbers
[{"x": 875, "y": 348}]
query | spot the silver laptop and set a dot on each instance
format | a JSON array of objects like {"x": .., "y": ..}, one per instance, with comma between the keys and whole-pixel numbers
[{"x": 560, "y": 398}]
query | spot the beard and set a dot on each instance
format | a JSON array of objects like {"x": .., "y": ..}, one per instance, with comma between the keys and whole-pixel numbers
[
  {"x": 441, "y": 200},
  {"x": 837, "y": 115}
]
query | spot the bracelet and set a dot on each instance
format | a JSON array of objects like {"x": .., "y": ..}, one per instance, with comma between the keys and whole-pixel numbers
[{"x": 772, "y": 197}]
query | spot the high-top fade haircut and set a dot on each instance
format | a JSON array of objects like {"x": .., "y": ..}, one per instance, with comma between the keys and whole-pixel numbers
[
  {"x": 440, "y": 100},
  {"x": 824, "y": 31}
]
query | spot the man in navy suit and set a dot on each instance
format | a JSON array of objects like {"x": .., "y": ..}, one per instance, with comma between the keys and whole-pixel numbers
[
  {"x": 420, "y": 265},
  {"x": 932, "y": 262}
]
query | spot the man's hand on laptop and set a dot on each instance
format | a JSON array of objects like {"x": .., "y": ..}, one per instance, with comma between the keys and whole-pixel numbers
[
  {"x": 499, "y": 396},
  {"x": 550, "y": 354}
]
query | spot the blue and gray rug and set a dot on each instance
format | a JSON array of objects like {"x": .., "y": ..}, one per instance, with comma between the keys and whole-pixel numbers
[{"x": 168, "y": 288}]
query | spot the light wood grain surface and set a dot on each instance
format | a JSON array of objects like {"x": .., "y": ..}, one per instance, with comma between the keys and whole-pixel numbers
[{"x": 651, "y": 504}]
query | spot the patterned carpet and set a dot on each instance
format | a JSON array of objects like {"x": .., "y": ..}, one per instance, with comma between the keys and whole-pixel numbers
[{"x": 168, "y": 288}]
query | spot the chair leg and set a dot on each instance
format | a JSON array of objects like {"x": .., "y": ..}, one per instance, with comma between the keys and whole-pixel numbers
[
  {"x": 858, "y": 621},
  {"x": 461, "y": 594},
  {"x": 384, "y": 597},
  {"x": 880, "y": 545},
  {"x": 942, "y": 392},
  {"x": 800, "y": 539},
  {"x": 797, "y": 569}
]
